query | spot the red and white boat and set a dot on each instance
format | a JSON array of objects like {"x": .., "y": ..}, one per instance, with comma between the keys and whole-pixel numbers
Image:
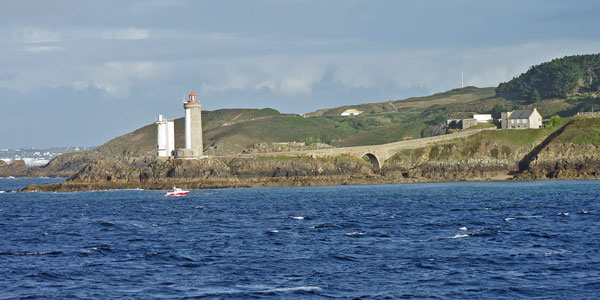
[{"x": 176, "y": 192}]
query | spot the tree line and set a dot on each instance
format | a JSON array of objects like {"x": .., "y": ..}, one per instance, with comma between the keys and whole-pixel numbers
[{"x": 555, "y": 79}]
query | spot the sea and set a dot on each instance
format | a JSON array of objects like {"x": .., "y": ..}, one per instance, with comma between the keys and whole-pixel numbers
[{"x": 460, "y": 240}]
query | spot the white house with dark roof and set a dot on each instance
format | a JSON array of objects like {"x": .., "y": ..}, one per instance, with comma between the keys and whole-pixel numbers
[{"x": 521, "y": 119}]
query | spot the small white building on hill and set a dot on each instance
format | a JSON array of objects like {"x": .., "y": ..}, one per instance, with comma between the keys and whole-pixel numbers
[
  {"x": 483, "y": 118},
  {"x": 351, "y": 112}
]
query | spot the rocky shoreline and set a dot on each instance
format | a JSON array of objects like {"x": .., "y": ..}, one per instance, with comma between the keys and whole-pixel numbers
[
  {"x": 569, "y": 152},
  {"x": 305, "y": 171}
]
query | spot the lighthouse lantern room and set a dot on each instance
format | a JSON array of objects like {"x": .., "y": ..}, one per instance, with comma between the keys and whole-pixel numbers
[{"x": 192, "y": 98}]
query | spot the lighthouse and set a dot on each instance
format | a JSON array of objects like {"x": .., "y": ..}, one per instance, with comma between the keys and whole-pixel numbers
[{"x": 193, "y": 129}]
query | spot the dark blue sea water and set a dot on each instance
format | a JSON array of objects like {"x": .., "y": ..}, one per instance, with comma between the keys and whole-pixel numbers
[{"x": 499, "y": 240}]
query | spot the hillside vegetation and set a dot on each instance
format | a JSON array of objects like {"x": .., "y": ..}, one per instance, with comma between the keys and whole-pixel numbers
[
  {"x": 463, "y": 95},
  {"x": 230, "y": 131},
  {"x": 558, "y": 78}
]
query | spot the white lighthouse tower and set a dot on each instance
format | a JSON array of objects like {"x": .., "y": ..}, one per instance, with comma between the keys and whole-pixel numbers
[{"x": 193, "y": 129}]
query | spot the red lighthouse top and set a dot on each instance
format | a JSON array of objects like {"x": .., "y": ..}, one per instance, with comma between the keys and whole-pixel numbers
[{"x": 192, "y": 98}]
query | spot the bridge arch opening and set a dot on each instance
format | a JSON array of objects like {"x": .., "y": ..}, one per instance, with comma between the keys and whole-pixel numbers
[{"x": 372, "y": 158}]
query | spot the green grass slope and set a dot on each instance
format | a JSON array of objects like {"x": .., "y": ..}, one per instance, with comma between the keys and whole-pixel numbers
[
  {"x": 583, "y": 131},
  {"x": 229, "y": 131},
  {"x": 507, "y": 145},
  {"x": 463, "y": 95},
  {"x": 143, "y": 141}
]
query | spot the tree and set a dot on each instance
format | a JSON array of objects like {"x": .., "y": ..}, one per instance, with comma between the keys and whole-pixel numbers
[
  {"x": 497, "y": 110},
  {"x": 554, "y": 121}
]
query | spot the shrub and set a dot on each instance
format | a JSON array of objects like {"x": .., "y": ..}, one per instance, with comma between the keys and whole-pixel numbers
[{"x": 554, "y": 121}]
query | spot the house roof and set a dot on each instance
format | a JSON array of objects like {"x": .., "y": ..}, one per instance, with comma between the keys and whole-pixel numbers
[{"x": 520, "y": 114}]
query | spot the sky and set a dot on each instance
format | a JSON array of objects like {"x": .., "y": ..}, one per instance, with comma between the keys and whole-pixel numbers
[{"x": 81, "y": 72}]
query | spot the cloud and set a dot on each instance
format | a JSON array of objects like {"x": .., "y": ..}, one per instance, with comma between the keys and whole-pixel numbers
[
  {"x": 126, "y": 34},
  {"x": 79, "y": 84},
  {"x": 320, "y": 75},
  {"x": 35, "y": 36},
  {"x": 280, "y": 76},
  {"x": 36, "y": 49},
  {"x": 292, "y": 80},
  {"x": 302, "y": 81},
  {"x": 394, "y": 74},
  {"x": 234, "y": 82},
  {"x": 117, "y": 78}
]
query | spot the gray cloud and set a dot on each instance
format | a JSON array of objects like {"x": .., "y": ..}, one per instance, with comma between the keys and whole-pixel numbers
[
  {"x": 126, "y": 34},
  {"x": 36, "y": 35}
]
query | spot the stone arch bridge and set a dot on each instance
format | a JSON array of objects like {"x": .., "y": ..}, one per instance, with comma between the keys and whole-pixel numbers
[{"x": 375, "y": 154}]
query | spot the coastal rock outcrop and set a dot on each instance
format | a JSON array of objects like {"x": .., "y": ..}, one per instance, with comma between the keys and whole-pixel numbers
[
  {"x": 565, "y": 161},
  {"x": 219, "y": 172},
  {"x": 15, "y": 168}
]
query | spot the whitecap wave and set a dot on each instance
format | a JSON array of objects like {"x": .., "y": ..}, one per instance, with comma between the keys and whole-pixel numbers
[
  {"x": 458, "y": 236},
  {"x": 295, "y": 289},
  {"x": 326, "y": 225},
  {"x": 463, "y": 228},
  {"x": 355, "y": 233},
  {"x": 297, "y": 218},
  {"x": 259, "y": 288}
]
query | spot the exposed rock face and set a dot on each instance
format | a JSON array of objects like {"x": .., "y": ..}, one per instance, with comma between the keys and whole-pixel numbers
[
  {"x": 456, "y": 161},
  {"x": 218, "y": 172},
  {"x": 70, "y": 163},
  {"x": 294, "y": 167},
  {"x": 454, "y": 171},
  {"x": 283, "y": 147},
  {"x": 565, "y": 161},
  {"x": 16, "y": 168}
]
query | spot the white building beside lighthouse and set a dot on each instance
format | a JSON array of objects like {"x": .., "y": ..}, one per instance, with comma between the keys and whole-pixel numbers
[{"x": 165, "y": 137}]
